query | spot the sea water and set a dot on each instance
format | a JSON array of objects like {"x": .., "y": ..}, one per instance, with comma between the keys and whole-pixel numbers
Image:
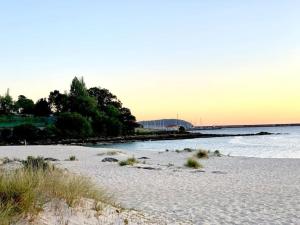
[{"x": 283, "y": 145}]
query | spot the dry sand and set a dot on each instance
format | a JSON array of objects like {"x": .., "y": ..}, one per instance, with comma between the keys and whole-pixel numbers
[{"x": 228, "y": 190}]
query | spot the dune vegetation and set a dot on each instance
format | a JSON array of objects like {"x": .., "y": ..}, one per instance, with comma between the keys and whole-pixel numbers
[{"x": 24, "y": 191}]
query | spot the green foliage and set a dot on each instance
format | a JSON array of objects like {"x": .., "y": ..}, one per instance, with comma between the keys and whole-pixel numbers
[
  {"x": 104, "y": 98},
  {"x": 24, "y": 105},
  {"x": 202, "y": 154},
  {"x": 73, "y": 125},
  {"x": 6, "y": 104},
  {"x": 80, "y": 113},
  {"x": 42, "y": 108},
  {"x": 78, "y": 87},
  {"x": 6, "y": 134},
  {"x": 128, "y": 162},
  {"x": 58, "y": 102},
  {"x": 193, "y": 163},
  {"x": 84, "y": 105},
  {"x": 25, "y": 132}
]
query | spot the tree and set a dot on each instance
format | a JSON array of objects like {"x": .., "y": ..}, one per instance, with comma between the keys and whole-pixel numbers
[
  {"x": 84, "y": 105},
  {"x": 104, "y": 98},
  {"x": 24, "y": 105},
  {"x": 42, "y": 108},
  {"x": 6, "y": 104},
  {"x": 78, "y": 87},
  {"x": 73, "y": 125},
  {"x": 128, "y": 120},
  {"x": 58, "y": 102}
]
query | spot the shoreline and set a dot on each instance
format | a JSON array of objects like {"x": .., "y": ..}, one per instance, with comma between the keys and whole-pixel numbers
[
  {"x": 133, "y": 138},
  {"x": 227, "y": 190}
]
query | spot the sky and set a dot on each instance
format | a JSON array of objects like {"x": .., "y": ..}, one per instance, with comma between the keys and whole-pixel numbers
[{"x": 211, "y": 62}]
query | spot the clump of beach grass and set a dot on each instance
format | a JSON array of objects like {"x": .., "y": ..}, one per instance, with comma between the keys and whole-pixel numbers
[
  {"x": 23, "y": 192},
  {"x": 128, "y": 162},
  {"x": 110, "y": 153},
  {"x": 202, "y": 154},
  {"x": 193, "y": 163},
  {"x": 217, "y": 153},
  {"x": 72, "y": 158}
]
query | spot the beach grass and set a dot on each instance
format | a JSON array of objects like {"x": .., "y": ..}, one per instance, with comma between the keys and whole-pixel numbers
[
  {"x": 193, "y": 163},
  {"x": 72, "y": 158},
  {"x": 110, "y": 153},
  {"x": 128, "y": 162},
  {"x": 23, "y": 192},
  {"x": 202, "y": 154}
]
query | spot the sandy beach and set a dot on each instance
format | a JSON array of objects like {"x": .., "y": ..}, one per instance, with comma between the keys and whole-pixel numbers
[{"x": 228, "y": 190}]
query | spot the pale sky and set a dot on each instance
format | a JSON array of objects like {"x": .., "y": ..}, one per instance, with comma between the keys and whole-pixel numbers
[{"x": 226, "y": 62}]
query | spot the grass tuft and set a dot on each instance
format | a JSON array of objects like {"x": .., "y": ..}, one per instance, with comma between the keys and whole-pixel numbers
[
  {"x": 202, "y": 154},
  {"x": 193, "y": 163},
  {"x": 72, "y": 158},
  {"x": 130, "y": 161},
  {"x": 217, "y": 153},
  {"x": 110, "y": 153}
]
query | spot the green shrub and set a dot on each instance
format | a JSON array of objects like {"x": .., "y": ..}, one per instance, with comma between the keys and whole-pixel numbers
[
  {"x": 193, "y": 163},
  {"x": 6, "y": 134},
  {"x": 73, "y": 125},
  {"x": 130, "y": 161},
  {"x": 202, "y": 154},
  {"x": 26, "y": 132}
]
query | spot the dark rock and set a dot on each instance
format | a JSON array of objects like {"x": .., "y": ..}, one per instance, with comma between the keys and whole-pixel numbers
[
  {"x": 147, "y": 168},
  {"x": 109, "y": 159},
  {"x": 143, "y": 157},
  {"x": 263, "y": 133},
  {"x": 51, "y": 159},
  {"x": 219, "y": 172}
]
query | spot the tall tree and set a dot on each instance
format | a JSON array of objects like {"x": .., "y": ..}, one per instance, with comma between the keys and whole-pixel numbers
[
  {"x": 6, "y": 103},
  {"x": 104, "y": 98},
  {"x": 78, "y": 87},
  {"x": 42, "y": 108},
  {"x": 24, "y": 105},
  {"x": 58, "y": 102}
]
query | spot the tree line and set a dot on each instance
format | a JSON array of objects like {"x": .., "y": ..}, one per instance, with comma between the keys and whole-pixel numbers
[{"x": 79, "y": 113}]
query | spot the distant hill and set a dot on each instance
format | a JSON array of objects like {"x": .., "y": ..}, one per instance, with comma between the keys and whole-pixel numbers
[{"x": 165, "y": 123}]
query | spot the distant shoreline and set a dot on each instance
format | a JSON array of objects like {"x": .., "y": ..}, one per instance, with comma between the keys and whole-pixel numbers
[
  {"x": 132, "y": 138},
  {"x": 243, "y": 126}
]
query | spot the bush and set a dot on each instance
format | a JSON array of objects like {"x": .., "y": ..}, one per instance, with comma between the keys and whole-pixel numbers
[
  {"x": 202, "y": 154},
  {"x": 73, "y": 125},
  {"x": 130, "y": 161},
  {"x": 193, "y": 163},
  {"x": 6, "y": 134},
  {"x": 26, "y": 132}
]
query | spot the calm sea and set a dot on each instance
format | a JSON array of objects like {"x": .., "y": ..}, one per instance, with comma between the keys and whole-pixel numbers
[{"x": 285, "y": 145}]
